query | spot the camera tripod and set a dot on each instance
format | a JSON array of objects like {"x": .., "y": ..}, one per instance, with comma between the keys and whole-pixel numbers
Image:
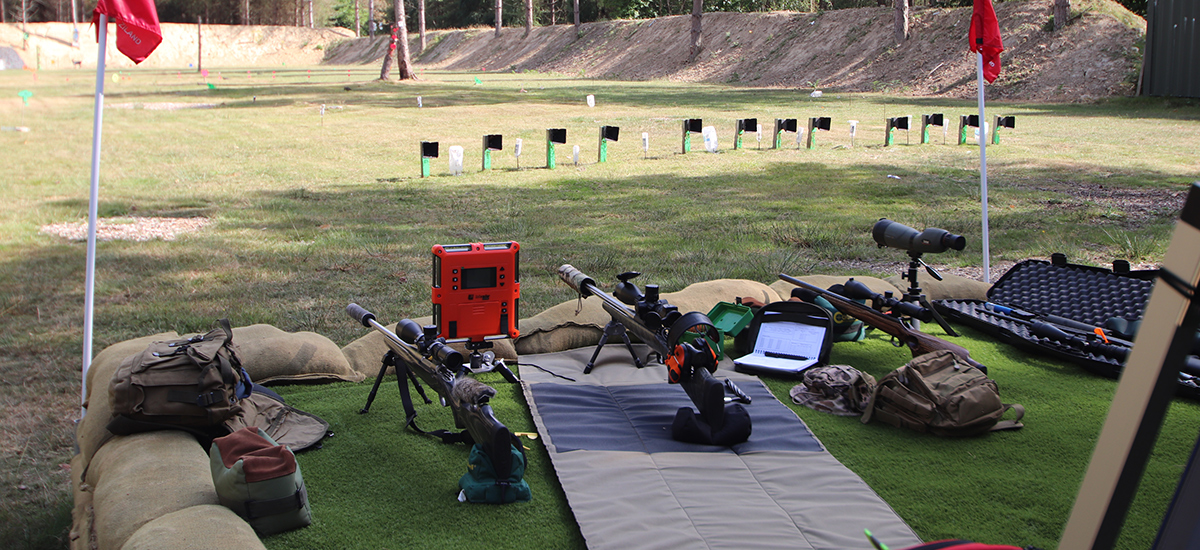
[{"x": 914, "y": 294}]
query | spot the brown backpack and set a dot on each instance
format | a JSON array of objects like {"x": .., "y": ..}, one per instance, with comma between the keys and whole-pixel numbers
[
  {"x": 193, "y": 382},
  {"x": 939, "y": 394}
]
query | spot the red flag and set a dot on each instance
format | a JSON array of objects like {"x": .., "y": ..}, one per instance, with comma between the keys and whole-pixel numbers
[
  {"x": 984, "y": 37},
  {"x": 138, "y": 32}
]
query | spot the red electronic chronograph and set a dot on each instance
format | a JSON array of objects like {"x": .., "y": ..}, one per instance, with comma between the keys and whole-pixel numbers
[{"x": 476, "y": 288}]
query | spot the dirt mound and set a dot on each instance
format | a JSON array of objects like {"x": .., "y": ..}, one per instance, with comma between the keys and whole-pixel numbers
[
  {"x": 852, "y": 50},
  {"x": 1095, "y": 56}
]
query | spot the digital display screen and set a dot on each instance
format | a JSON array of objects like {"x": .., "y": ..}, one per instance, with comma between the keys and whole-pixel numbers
[{"x": 479, "y": 277}]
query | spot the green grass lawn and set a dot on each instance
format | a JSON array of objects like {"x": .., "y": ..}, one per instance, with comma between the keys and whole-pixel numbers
[{"x": 314, "y": 208}]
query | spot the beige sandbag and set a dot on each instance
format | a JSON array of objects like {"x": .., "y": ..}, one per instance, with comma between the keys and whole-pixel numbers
[
  {"x": 951, "y": 287},
  {"x": 141, "y": 477},
  {"x": 365, "y": 354},
  {"x": 201, "y": 527},
  {"x": 92, "y": 433},
  {"x": 825, "y": 281},
  {"x": 82, "y": 535},
  {"x": 271, "y": 355},
  {"x": 560, "y": 328}
]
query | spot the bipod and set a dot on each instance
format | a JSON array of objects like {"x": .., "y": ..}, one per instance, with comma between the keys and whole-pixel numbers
[
  {"x": 613, "y": 328},
  {"x": 402, "y": 373},
  {"x": 914, "y": 294}
]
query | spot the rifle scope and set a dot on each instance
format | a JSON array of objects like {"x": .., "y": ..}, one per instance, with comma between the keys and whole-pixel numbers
[
  {"x": 897, "y": 235},
  {"x": 425, "y": 340}
]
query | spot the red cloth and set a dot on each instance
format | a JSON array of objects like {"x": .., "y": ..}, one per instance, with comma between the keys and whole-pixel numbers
[
  {"x": 984, "y": 37},
  {"x": 138, "y": 32},
  {"x": 260, "y": 459}
]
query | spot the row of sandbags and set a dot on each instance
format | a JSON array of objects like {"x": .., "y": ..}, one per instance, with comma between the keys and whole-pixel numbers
[{"x": 155, "y": 490}]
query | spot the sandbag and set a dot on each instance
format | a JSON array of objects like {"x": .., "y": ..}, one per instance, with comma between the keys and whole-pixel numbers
[
  {"x": 951, "y": 287},
  {"x": 272, "y": 355},
  {"x": 141, "y": 477},
  {"x": 203, "y": 527},
  {"x": 560, "y": 328},
  {"x": 82, "y": 535}
]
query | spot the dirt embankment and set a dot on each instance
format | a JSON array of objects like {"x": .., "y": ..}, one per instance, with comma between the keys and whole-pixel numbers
[{"x": 853, "y": 50}]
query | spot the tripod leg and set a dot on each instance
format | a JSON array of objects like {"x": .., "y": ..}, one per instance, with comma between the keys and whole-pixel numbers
[
  {"x": 937, "y": 316},
  {"x": 389, "y": 359},
  {"x": 629, "y": 346}
]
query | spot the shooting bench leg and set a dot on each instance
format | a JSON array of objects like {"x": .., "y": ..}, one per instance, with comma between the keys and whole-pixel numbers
[{"x": 613, "y": 328}]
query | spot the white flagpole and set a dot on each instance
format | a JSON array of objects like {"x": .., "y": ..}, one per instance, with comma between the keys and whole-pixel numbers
[
  {"x": 983, "y": 187},
  {"x": 90, "y": 282}
]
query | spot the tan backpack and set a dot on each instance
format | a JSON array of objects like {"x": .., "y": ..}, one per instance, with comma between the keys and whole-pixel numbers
[
  {"x": 193, "y": 382},
  {"x": 939, "y": 394}
]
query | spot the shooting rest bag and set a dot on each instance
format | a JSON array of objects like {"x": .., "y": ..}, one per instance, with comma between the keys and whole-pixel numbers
[
  {"x": 259, "y": 480},
  {"x": 939, "y": 394},
  {"x": 194, "y": 381},
  {"x": 481, "y": 484}
]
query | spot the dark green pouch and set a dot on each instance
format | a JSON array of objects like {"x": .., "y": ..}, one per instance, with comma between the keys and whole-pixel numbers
[{"x": 479, "y": 484}]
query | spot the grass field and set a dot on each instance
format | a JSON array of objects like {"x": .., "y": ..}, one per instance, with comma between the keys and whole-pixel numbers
[{"x": 311, "y": 182}]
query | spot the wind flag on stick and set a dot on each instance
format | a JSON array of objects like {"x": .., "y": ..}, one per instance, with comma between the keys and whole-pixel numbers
[
  {"x": 139, "y": 34},
  {"x": 984, "y": 39},
  {"x": 138, "y": 31}
]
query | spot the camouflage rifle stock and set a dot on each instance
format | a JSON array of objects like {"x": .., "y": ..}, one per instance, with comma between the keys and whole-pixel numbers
[
  {"x": 918, "y": 342},
  {"x": 441, "y": 368}
]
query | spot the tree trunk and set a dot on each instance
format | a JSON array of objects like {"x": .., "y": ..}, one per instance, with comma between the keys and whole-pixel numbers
[
  {"x": 245, "y": 12},
  {"x": 528, "y": 17},
  {"x": 901, "y": 26},
  {"x": 371, "y": 18},
  {"x": 697, "y": 10},
  {"x": 552, "y": 13},
  {"x": 499, "y": 6},
  {"x": 576, "y": 16},
  {"x": 403, "y": 57},
  {"x": 357, "y": 24},
  {"x": 421, "y": 22},
  {"x": 386, "y": 72},
  {"x": 1062, "y": 11}
]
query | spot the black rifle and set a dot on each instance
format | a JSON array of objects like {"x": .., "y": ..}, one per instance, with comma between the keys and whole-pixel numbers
[
  {"x": 918, "y": 342},
  {"x": 689, "y": 364},
  {"x": 418, "y": 353}
]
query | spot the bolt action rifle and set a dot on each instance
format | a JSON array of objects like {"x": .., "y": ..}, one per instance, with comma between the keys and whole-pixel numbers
[
  {"x": 918, "y": 342},
  {"x": 682, "y": 342},
  {"x": 418, "y": 353}
]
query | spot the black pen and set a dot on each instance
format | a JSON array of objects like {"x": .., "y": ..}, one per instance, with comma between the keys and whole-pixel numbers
[{"x": 785, "y": 356}]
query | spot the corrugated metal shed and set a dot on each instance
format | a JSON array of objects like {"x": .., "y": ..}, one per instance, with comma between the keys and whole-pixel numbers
[{"x": 1172, "y": 62}]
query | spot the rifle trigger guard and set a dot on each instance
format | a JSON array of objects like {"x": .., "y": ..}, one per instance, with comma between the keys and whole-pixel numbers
[{"x": 897, "y": 343}]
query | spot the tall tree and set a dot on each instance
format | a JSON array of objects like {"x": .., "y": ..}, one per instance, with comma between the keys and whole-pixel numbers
[
  {"x": 697, "y": 10},
  {"x": 371, "y": 18},
  {"x": 421, "y": 22},
  {"x": 1062, "y": 11},
  {"x": 398, "y": 48},
  {"x": 528, "y": 17},
  {"x": 576, "y": 16},
  {"x": 499, "y": 7},
  {"x": 901, "y": 21}
]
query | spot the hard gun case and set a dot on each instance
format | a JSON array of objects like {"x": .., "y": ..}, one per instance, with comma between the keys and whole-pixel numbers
[{"x": 1087, "y": 294}]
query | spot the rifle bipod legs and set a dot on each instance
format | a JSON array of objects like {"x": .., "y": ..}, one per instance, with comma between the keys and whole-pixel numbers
[
  {"x": 402, "y": 372},
  {"x": 613, "y": 328}
]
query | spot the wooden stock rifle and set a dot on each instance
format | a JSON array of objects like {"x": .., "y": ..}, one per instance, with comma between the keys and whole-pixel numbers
[
  {"x": 918, "y": 342},
  {"x": 419, "y": 353}
]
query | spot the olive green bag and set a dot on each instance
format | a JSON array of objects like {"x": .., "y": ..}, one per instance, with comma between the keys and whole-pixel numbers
[
  {"x": 939, "y": 394},
  {"x": 259, "y": 480},
  {"x": 192, "y": 382}
]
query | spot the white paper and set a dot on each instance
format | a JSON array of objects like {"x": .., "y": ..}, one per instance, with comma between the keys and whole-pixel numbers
[{"x": 798, "y": 344}]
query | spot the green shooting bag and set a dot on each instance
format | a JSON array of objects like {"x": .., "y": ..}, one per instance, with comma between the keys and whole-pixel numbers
[
  {"x": 191, "y": 382},
  {"x": 260, "y": 481},
  {"x": 939, "y": 394},
  {"x": 480, "y": 483}
]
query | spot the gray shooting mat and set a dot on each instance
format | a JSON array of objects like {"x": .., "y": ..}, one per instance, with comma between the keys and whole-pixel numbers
[{"x": 631, "y": 486}]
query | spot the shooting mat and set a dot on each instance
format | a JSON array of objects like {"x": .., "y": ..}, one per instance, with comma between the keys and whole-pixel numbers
[{"x": 631, "y": 486}]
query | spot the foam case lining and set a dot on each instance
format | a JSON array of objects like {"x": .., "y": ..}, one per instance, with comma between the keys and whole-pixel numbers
[{"x": 1035, "y": 289}]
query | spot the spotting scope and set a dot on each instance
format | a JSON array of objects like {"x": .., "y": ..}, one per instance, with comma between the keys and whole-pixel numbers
[{"x": 897, "y": 235}]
